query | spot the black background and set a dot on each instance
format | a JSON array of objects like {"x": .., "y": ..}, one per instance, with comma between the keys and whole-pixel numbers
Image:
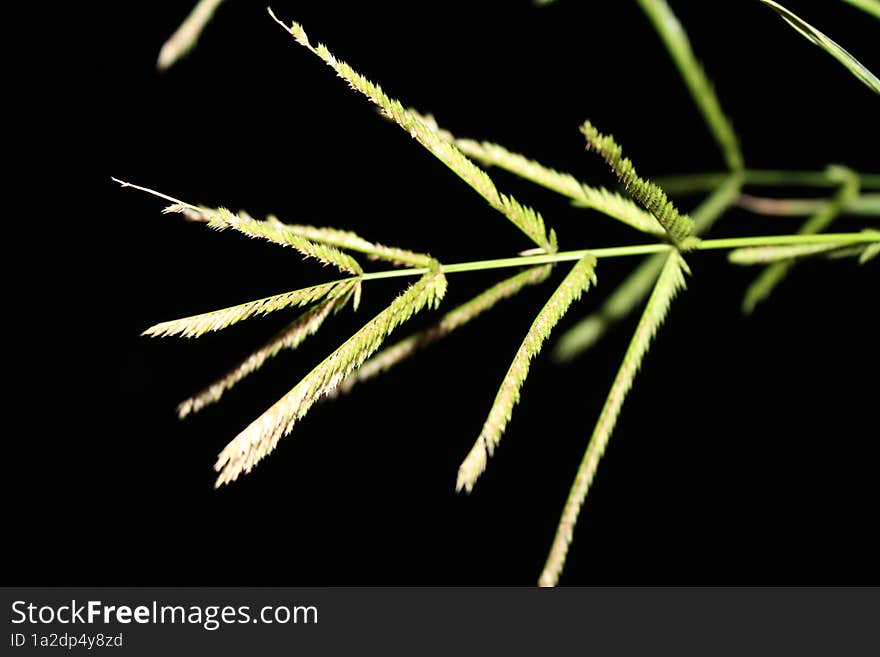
[{"x": 746, "y": 453}]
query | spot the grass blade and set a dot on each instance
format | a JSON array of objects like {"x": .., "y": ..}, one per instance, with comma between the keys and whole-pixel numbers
[
  {"x": 263, "y": 434},
  {"x": 676, "y": 41},
  {"x": 827, "y": 44},
  {"x": 578, "y": 281},
  {"x": 670, "y": 281}
]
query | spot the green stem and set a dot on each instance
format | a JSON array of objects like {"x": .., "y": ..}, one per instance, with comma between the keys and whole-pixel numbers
[
  {"x": 679, "y": 47},
  {"x": 636, "y": 287},
  {"x": 622, "y": 251},
  {"x": 768, "y": 240},
  {"x": 866, "y": 205},
  {"x": 721, "y": 198},
  {"x": 700, "y": 182}
]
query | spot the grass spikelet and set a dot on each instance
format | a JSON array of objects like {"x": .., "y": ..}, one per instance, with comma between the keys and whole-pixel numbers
[
  {"x": 263, "y": 434},
  {"x": 319, "y": 243},
  {"x": 578, "y": 281},
  {"x": 596, "y": 198},
  {"x": 827, "y": 44},
  {"x": 345, "y": 239},
  {"x": 196, "y": 325},
  {"x": 670, "y": 281},
  {"x": 864, "y": 251},
  {"x": 289, "y": 338},
  {"x": 271, "y": 231},
  {"x": 678, "y": 226},
  {"x": 763, "y": 286},
  {"x": 638, "y": 285},
  {"x": 757, "y": 255},
  {"x": 588, "y": 331},
  {"x": 526, "y": 219},
  {"x": 871, "y": 251},
  {"x": 185, "y": 37},
  {"x": 454, "y": 319},
  {"x": 677, "y": 43}
]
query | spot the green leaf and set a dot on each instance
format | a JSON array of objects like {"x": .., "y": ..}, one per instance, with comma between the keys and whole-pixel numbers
[{"x": 809, "y": 32}]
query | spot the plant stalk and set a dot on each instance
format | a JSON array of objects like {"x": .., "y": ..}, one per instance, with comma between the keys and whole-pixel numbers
[{"x": 638, "y": 249}]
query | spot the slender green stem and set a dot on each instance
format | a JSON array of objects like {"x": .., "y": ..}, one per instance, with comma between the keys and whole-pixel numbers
[
  {"x": 730, "y": 186},
  {"x": 767, "y": 240},
  {"x": 679, "y": 47},
  {"x": 636, "y": 287},
  {"x": 721, "y": 198},
  {"x": 762, "y": 287},
  {"x": 638, "y": 249},
  {"x": 866, "y": 205},
  {"x": 699, "y": 182}
]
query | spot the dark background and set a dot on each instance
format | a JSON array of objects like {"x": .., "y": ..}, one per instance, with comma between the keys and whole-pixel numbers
[{"x": 746, "y": 453}]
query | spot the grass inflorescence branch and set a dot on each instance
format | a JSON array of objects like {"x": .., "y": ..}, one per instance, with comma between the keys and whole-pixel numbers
[
  {"x": 679, "y": 227},
  {"x": 654, "y": 281},
  {"x": 670, "y": 281},
  {"x": 525, "y": 218}
]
